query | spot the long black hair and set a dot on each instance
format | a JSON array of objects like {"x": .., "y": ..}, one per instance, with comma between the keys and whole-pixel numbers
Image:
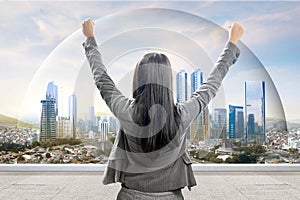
[{"x": 153, "y": 85}]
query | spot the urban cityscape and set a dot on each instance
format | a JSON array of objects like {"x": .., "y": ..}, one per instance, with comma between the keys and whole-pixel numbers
[
  {"x": 56, "y": 133},
  {"x": 236, "y": 134}
]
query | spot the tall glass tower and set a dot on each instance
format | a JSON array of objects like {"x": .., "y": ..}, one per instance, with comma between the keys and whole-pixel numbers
[
  {"x": 196, "y": 79},
  {"x": 181, "y": 86},
  {"x": 103, "y": 129},
  {"x": 49, "y": 113},
  {"x": 199, "y": 127},
  {"x": 48, "y": 120},
  {"x": 236, "y": 122},
  {"x": 219, "y": 127},
  {"x": 73, "y": 114},
  {"x": 255, "y": 113},
  {"x": 114, "y": 124},
  {"x": 52, "y": 93},
  {"x": 92, "y": 119}
]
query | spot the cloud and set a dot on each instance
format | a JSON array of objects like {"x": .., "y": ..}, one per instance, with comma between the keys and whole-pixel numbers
[
  {"x": 55, "y": 29},
  {"x": 34, "y": 29},
  {"x": 267, "y": 28}
]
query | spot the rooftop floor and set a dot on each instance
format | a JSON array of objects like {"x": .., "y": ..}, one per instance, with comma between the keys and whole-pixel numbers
[{"x": 88, "y": 186}]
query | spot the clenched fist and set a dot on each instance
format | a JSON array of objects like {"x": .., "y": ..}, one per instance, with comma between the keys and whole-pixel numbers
[
  {"x": 235, "y": 33},
  {"x": 88, "y": 28}
]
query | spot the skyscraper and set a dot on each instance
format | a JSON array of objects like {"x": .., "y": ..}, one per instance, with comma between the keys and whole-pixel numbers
[
  {"x": 52, "y": 93},
  {"x": 181, "y": 90},
  {"x": 236, "y": 122},
  {"x": 114, "y": 124},
  {"x": 63, "y": 128},
  {"x": 49, "y": 113},
  {"x": 255, "y": 111},
  {"x": 181, "y": 86},
  {"x": 196, "y": 80},
  {"x": 48, "y": 120},
  {"x": 251, "y": 124},
  {"x": 73, "y": 114},
  {"x": 199, "y": 127},
  {"x": 219, "y": 128},
  {"x": 103, "y": 129},
  {"x": 92, "y": 119}
]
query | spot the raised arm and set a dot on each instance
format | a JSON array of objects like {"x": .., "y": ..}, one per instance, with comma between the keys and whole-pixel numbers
[
  {"x": 204, "y": 94},
  {"x": 117, "y": 103}
]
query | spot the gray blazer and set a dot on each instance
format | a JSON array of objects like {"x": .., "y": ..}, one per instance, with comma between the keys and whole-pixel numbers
[{"x": 168, "y": 169}]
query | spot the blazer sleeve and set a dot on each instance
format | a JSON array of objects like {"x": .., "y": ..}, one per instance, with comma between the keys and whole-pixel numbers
[
  {"x": 204, "y": 94},
  {"x": 117, "y": 103}
]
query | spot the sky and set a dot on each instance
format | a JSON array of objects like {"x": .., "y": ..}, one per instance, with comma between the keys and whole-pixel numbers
[{"x": 33, "y": 34}]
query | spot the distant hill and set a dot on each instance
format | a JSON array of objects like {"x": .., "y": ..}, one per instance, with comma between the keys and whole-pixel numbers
[
  {"x": 9, "y": 121},
  {"x": 293, "y": 125}
]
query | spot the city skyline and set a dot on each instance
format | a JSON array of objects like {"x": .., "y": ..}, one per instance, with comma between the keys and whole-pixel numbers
[
  {"x": 245, "y": 123},
  {"x": 211, "y": 124},
  {"x": 37, "y": 42},
  {"x": 53, "y": 123}
]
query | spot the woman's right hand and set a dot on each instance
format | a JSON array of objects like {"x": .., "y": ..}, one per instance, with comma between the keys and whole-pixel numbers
[{"x": 235, "y": 33}]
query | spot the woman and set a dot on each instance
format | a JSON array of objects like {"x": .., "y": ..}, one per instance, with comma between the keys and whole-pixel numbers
[{"x": 149, "y": 154}]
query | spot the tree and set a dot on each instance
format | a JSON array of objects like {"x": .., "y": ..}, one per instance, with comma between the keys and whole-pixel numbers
[
  {"x": 35, "y": 144},
  {"x": 293, "y": 150},
  {"x": 13, "y": 147},
  {"x": 242, "y": 158},
  {"x": 217, "y": 160},
  {"x": 229, "y": 160},
  {"x": 48, "y": 155},
  {"x": 238, "y": 144},
  {"x": 258, "y": 149},
  {"x": 20, "y": 158}
]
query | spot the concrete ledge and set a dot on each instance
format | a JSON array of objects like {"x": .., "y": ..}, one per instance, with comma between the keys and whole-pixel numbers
[
  {"x": 52, "y": 167},
  {"x": 246, "y": 167},
  {"x": 201, "y": 168}
]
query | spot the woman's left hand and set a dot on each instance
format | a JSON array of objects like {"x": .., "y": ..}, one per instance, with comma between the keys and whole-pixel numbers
[{"x": 88, "y": 28}]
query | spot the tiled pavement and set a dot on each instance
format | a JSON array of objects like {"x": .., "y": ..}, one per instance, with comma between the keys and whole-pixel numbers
[{"x": 210, "y": 186}]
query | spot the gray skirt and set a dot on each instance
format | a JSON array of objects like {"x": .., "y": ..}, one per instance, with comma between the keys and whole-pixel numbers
[{"x": 128, "y": 194}]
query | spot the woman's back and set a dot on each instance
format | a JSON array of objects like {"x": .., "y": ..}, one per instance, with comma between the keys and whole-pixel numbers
[{"x": 149, "y": 153}]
